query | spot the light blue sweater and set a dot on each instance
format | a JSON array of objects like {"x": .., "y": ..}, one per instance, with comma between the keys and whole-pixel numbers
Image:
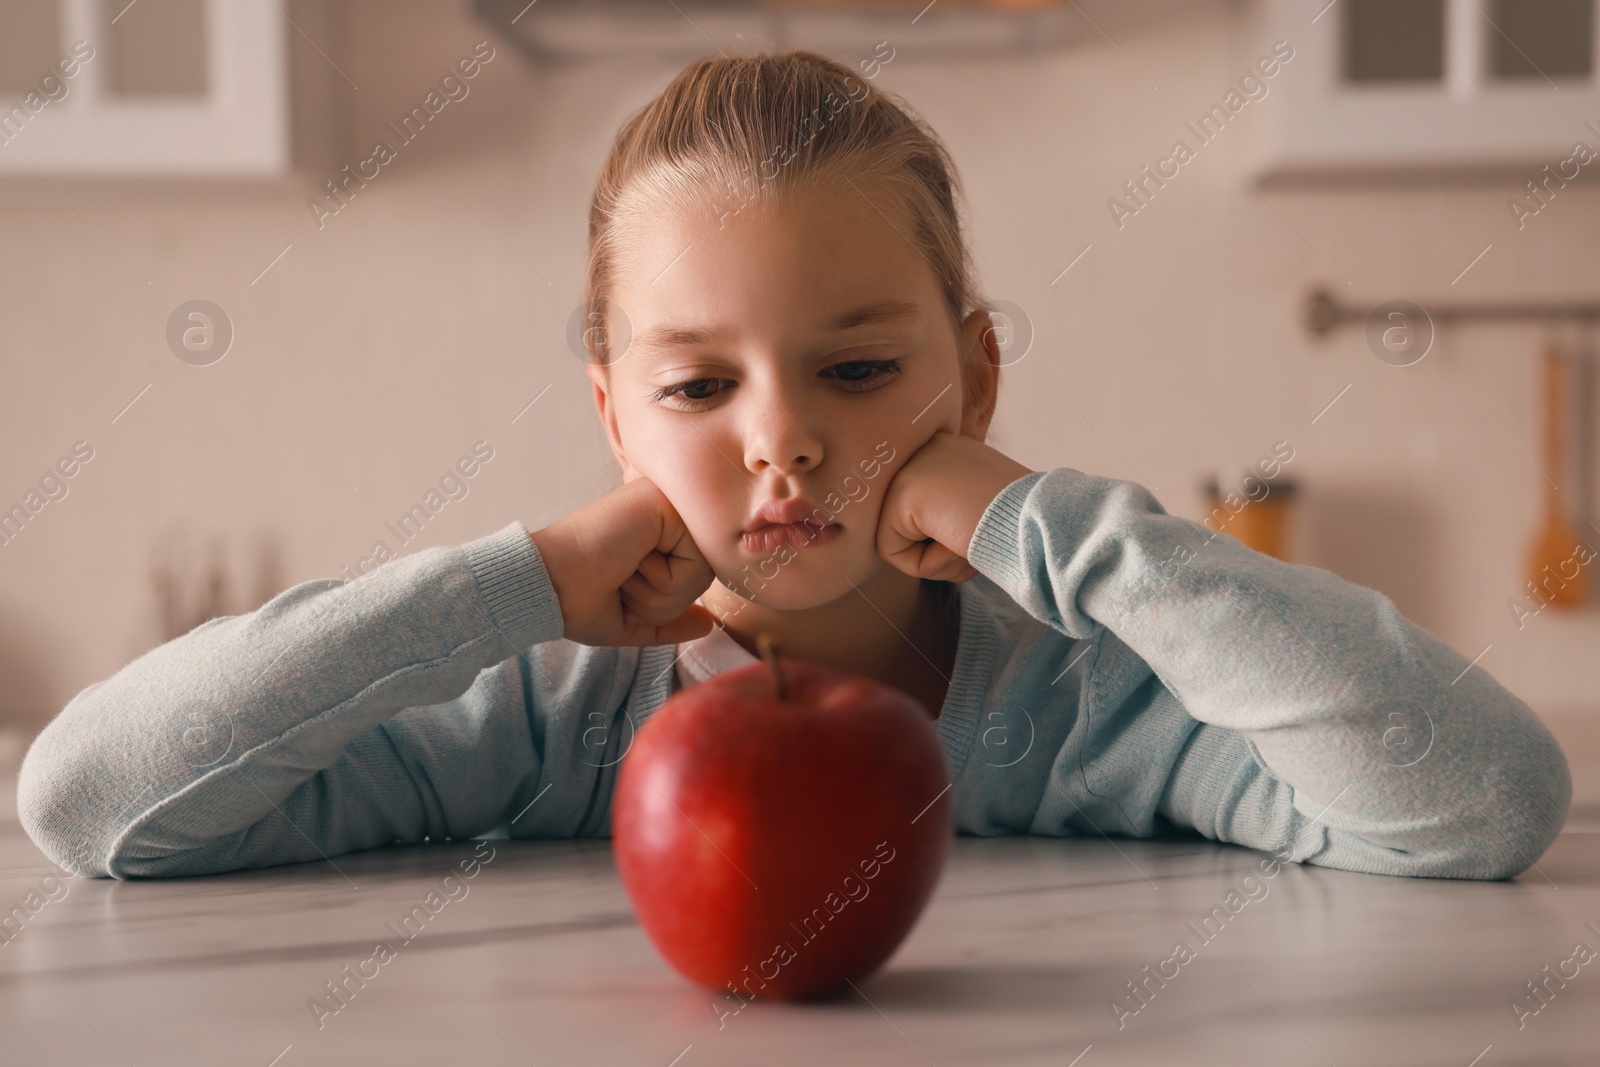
[{"x": 1119, "y": 671}]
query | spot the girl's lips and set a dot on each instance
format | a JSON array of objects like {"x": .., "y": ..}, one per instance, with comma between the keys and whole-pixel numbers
[{"x": 769, "y": 538}]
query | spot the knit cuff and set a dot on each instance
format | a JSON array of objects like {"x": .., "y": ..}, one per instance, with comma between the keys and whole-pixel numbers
[
  {"x": 1216, "y": 786},
  {"x": 515, "y": 585},
  {"x": 995, "y": 547},
  {"x": 1202, "y": 788}
]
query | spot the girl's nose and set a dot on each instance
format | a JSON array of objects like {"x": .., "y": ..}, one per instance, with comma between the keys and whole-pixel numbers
[{"x": 781, "y": 435}]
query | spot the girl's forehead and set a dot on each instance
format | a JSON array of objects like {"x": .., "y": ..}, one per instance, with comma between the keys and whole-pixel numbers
[
  {"x": 813, "y": 212},
  {"x": 828, "y": 247}
]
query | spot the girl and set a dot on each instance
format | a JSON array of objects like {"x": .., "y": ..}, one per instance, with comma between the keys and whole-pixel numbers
[{"x": 797, "y": 380}]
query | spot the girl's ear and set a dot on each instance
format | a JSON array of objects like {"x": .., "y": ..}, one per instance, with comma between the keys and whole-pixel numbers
[
  {"x": 605, "y": 406},
  {"x": 980, "y": 374}
]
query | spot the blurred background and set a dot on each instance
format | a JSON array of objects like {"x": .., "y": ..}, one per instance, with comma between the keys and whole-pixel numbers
[{"x": 1351, "y": 320}]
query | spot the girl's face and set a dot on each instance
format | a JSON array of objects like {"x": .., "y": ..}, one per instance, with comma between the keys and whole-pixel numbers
[{"x": 797, "y": 355}]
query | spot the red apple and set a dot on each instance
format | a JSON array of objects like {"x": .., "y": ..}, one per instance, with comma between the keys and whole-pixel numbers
[{"x": 780, "y": 827}]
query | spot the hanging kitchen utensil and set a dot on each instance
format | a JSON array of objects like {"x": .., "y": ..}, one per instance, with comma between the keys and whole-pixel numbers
[{"x": 1557, "y": 574}]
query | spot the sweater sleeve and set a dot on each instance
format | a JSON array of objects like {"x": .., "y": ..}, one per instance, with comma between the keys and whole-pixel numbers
[
  {"x": 340, "y": 715},
  {"x": 1330, "y": 725}
]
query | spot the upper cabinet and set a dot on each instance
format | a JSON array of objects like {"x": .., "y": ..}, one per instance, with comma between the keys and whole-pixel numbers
[
  {"x": 1433, "y": 87},
  {"x": 154, "y": 87}
]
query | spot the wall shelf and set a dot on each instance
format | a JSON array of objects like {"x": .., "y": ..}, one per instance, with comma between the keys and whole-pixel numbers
[{"x": 565, "y": 31}]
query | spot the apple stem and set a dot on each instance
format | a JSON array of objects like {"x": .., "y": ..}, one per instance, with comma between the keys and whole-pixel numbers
[{"x": 769, "y": 655}]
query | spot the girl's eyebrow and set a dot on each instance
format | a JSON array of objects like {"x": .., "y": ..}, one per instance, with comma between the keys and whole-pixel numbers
[
  {"x": 874, "y": 314},
  {"x": 663, "y": 337}
]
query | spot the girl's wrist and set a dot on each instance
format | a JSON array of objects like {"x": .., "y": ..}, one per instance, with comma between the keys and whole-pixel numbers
[
  {"x": 987, "y": 481},
  {"x": 971, "y": 475}
]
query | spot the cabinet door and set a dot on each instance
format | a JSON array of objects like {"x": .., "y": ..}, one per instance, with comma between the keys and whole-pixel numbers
[
  {"x": 1432, "y": 85},
  {"x": 148, "y": 87}
]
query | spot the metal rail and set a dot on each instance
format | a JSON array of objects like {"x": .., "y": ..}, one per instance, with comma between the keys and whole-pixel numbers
[{"x": 1323, "y": 313}]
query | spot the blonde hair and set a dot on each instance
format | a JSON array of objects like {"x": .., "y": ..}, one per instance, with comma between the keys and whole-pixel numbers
[{"x": 727, "y": 128}]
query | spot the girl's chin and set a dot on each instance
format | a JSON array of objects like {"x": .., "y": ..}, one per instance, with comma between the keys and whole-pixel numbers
[{"x": 805, "y": 581}]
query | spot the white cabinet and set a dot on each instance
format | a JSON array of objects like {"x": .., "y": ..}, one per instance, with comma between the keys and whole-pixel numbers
[
  {"x": 1441, "y": 86},
  {"x": 152, "y": 87}
]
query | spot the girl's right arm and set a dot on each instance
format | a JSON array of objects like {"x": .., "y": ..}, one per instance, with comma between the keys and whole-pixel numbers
[{"x": 345, "y": 715}]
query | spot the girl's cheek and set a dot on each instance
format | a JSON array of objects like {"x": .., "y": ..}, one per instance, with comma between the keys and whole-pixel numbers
[{"x": 686, "y": 472}]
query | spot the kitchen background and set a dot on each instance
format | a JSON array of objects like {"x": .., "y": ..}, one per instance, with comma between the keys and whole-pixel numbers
[{"x": 378, "y": 337}]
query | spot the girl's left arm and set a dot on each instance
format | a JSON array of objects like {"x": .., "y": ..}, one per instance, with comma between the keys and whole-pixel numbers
[{"x": 1400, "y": 755}]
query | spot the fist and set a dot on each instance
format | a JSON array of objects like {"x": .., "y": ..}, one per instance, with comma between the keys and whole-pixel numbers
[
  {"x": 626, "y": 571},
  {"x": 934, "y": 503}
]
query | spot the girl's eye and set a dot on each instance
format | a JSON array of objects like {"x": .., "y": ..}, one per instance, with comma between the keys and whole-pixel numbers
[
  {"x": 692, "y": 390},
  {"x": 688, "y": 395},
  {"x": 857, "y": 375},
  {"x": 866, "y": 372}
]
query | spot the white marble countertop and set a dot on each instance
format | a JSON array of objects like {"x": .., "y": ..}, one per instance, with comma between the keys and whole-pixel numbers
[{"x": 1016, "y": 960}]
